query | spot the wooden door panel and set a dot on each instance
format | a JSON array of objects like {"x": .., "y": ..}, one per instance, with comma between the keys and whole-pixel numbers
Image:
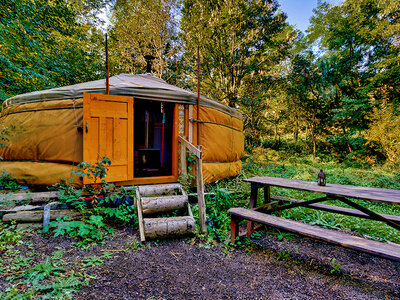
[{"x": 108, "y": 132}]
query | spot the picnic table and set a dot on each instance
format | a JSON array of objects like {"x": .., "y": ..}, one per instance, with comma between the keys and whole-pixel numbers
[{"x": 343, "y": 193}]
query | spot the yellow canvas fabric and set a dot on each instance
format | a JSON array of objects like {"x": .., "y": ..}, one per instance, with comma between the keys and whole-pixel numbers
[
  {"x": 216, "y": 171},
  {"x": 40, "y": 173},
  {"x": 47, "y": 140},
  {"x": 44, "y": 131}
]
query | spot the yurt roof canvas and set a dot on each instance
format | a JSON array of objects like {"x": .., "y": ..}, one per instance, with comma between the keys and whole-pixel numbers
[{"x": 143, "y": 86}]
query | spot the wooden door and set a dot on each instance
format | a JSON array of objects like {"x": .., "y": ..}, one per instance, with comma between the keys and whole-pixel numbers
[{"x": 108, "y": 132}]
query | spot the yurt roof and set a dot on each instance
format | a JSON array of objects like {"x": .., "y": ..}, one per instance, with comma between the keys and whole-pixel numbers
[{"x": 142, "y": 86}]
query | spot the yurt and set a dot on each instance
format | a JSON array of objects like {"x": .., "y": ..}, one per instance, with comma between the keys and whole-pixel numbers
[{"x": 136, "y": 126}]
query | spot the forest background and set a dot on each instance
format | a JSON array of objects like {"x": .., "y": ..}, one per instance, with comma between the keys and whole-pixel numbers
[{"x": 333, "y": 91}]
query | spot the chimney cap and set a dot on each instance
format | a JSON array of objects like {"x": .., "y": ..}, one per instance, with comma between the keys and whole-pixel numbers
[{"x": 148, "y": 59}]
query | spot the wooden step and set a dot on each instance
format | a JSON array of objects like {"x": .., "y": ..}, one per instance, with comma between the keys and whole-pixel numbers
[
  {"x": 37, "y": 215},
  {"x": 151, "y": 205},
  {"x": 160, "y": 189},
  {"x": 172, "y": 226},
  {"x": 390, "y": 251}
]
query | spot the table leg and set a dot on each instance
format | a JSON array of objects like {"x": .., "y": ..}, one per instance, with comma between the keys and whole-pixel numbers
[
  {"x": 234, "y": 229},
  {"x": 267, "y": 194},
  {"x": 253, "y": 204},
  {"x": 253, "y": 195}
]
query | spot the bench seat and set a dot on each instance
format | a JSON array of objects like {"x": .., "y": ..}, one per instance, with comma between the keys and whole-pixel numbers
[{"x": 389, "y": 251}]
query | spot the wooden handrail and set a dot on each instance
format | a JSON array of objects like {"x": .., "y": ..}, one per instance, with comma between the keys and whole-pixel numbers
[
  {"x": 184, "y": 144},
  {"x": 192, "y": 148}
]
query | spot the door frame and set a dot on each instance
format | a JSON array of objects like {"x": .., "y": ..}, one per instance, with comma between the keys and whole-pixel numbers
[{"x": 168, "y": 178}]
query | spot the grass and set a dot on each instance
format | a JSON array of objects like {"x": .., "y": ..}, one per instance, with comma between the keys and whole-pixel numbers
[{"x": 279, "y": 164}]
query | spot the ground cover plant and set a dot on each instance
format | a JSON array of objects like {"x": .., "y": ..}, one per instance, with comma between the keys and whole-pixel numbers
[{"x": 267, "y": 162}]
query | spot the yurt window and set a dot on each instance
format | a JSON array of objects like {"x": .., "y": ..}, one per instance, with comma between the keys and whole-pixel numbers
[{"x": 153, "y": 133}]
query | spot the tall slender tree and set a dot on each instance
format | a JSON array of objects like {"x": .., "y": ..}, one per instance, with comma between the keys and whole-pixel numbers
[
  {"x": 236, "y": 38},
  {"x": 139, "y": 28}
]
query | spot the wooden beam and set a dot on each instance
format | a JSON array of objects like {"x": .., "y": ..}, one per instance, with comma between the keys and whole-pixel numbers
[
  {"x": 190, "y": 146},
  {"x": 337, "y": 209},
  {"x": 373, "y": 215},
  {"x": 327, "y": 235},
  {"x": 190, "y": 124},
  {"x": 298, "y": 204},
  {"x": 183, "y": 165},
  {"x": 28, "y": 196},
  {"x": 267, "y": 194},
  {"x": 200, "y": 192},
  {"x": 140, "y": 215}
]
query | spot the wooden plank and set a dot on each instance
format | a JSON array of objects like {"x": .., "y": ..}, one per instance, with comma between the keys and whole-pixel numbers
[
  {"x": 200, "y": 193},
  {"x": 183, "y": 163},
  {"x": 140, "y": 216},
  {"x": 37, "y": 215},
  {"x": 190, "y": 124},
  {"x": 333, "y": 190},
  {"x": 337, "y": 209},
  {"x": 28, "y": 196},
  {"x": 191, "y": 147},
  {"x": 389, "y": 251},
  {"x": 108, "y": 132}
]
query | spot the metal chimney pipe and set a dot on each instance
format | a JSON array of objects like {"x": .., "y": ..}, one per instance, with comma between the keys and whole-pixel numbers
[{"x": 149, "y": 61}]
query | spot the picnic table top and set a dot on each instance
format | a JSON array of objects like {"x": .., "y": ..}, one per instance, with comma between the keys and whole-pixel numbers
[{"x": 339, "y": 190}]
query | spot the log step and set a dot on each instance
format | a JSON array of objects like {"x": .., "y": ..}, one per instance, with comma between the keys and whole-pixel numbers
[
  {"x": 160, "y": 189},
  {"x": 151, "y": 205},
  {"x": 37, "y": 215},
  {"x": 166, "y": 227}
]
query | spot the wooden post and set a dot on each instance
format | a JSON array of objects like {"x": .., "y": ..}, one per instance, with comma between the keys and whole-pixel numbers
[
  {"x": 182, "y": 147},
  {"x": 267, "y": 194},
  {"x": 253, "y": 195},
  {"x": 46, "y": 217},
  {"x": 190, "y": 124},
  {"x": 140, "y": 217},
  {"x": 234, "y": 228},
  {"x": 200, "y": 192},
  {"x": 253, "y": 204}
]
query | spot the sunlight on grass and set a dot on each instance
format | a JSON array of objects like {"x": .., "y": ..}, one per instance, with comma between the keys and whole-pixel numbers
[{"x": 278, "y": 164}]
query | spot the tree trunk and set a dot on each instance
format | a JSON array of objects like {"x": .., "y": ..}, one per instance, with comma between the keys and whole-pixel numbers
[{"x": 314, "y": 139}]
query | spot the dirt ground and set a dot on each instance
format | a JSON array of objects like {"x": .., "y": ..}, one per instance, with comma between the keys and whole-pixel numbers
[{"x": 298, "y": 268}]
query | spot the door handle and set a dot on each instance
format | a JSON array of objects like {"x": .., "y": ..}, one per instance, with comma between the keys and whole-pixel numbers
[{"x": 87, "y": 128}]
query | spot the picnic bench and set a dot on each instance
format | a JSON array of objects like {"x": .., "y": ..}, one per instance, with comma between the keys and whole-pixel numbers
[{"x": 344, "y": 193}]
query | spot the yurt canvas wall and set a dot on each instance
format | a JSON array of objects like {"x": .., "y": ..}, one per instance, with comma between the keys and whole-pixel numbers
[{"x": 47, "y": 130}]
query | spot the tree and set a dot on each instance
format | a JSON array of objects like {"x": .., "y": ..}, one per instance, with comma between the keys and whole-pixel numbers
[
  {"x": 43, "y": 45},
  {"x": 142, "y": 28},
  {"x": 360, "y": 59},
  {"x": 306, "y": 91},
  {"x": 236, "y": 38}
]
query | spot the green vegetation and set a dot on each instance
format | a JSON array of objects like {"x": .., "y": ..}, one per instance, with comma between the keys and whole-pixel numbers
[
  {"x": 92, "y": 227},
  {"x": 46, "y": 44},
  {"x": 333, "y": 90},
  {"x": 335, "y": 266},
  {"x": 234, "y": 192},
  {"x": 32, "y": 276},
  {"x": 7, "y": 182}
]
